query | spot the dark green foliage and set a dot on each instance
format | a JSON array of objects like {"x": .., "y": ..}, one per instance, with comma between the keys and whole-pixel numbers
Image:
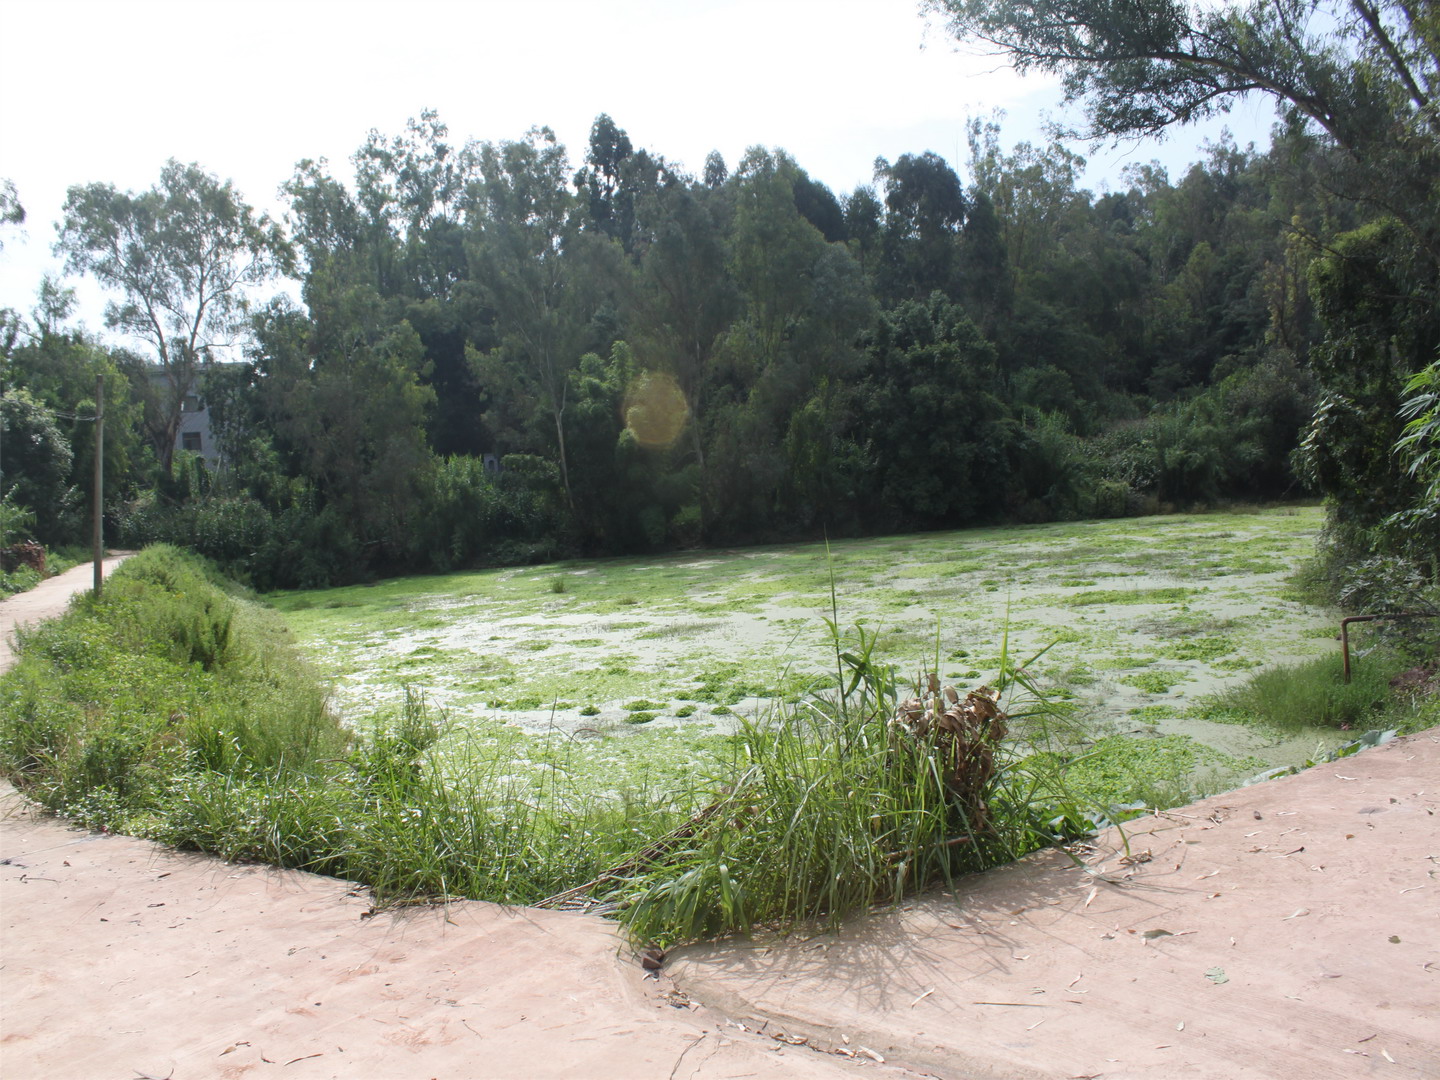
[
  {"x": 924, "y": 209},
  {"x": 56, "y": 367},
  {"x": 938, "y": 433},
  {"x": 817, "y": 204},
  {"x": 934, "y": 351},
  {"x": 37, "y": 458},
  {"x": 1375, "y": 346}
]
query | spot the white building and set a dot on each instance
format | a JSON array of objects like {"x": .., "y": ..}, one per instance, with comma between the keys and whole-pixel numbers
[{"x": 194, "y": 434}]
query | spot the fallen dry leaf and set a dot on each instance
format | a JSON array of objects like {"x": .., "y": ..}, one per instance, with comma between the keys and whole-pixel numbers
[{"x": 1014, "y": 1004}]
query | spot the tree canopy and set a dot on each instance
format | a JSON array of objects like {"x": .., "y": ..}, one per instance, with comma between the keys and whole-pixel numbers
[
  {"x": 505, "y": 354},
  {"x": 180, "y": 257}
]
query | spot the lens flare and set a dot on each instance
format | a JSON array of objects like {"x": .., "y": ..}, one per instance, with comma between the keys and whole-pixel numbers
[{"x": 655, "y": 409}]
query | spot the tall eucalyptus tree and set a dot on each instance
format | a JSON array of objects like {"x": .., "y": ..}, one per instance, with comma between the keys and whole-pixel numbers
[{"x": 181, "y": 257}]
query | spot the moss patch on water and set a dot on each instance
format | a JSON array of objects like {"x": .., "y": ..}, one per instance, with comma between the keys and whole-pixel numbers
[
  {"x": 1161, "y": 772},
  {"x": 1203, "y": 648},
  {"x": 1129, "y": 596},
  {"x": 1154, "y": 682}
]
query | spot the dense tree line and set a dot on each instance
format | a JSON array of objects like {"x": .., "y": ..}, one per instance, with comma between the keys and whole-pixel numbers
[{"x": 503, "y": 355}]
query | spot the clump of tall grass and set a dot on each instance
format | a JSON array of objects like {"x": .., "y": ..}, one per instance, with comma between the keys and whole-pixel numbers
[
  {"x": 1314, "y": 694},
  {"x": 166, "y": 674},
  {"x": 829, "y": 808}
]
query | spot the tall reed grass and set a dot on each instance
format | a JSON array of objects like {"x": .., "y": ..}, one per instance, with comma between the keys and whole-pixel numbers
[{"x": 829, "y": 808}]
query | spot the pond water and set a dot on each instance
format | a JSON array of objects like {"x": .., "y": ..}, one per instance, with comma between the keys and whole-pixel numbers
[{"x": 1141, "y": 618}]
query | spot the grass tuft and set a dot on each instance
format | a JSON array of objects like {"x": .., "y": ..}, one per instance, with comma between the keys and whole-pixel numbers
[
  {"x": 826, "y": 809},
  {"x": 1314, "y": 694}
]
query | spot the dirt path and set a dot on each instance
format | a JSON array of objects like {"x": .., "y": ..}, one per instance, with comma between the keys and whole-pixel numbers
[{"x": 1303, "y": 941}]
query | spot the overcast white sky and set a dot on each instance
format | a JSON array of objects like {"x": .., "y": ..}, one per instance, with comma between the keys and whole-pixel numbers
[{"x": 107, "y": 91}]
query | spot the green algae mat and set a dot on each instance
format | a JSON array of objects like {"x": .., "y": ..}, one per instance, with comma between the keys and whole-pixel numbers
[{"x": 1142, "y": 617}]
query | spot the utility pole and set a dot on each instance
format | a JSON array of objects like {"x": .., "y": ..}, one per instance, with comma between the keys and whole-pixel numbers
[{"x": 99, "y": 532}]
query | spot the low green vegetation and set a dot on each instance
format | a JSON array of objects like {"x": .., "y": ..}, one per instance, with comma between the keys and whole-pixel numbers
[
  {"x": 21, "y": 579},
  {"x": 179, "y": 710},
  {"x": 1153, "y": 682},
  {"x": 730, "y": 631},
  {"x": 1129, "y": 596},
  {"x": 1123, "y": 774},
  {"x": 1314, "y": 694}
]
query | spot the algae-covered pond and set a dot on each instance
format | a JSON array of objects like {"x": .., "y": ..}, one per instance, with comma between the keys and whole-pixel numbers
[{"x": 1143, "y": 617}]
